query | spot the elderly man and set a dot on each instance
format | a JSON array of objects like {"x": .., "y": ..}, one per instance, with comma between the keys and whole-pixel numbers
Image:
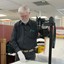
[{"x": 24, "y": 36}]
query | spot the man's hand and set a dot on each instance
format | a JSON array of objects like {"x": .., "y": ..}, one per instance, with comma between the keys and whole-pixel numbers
[{"x": 21, "y": 56}]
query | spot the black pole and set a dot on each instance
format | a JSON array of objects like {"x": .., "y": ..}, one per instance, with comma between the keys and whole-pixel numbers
[{"x": 50, "y": 44}]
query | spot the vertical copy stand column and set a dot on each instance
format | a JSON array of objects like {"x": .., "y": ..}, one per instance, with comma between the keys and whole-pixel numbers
[{"x": 50, "y": 44}]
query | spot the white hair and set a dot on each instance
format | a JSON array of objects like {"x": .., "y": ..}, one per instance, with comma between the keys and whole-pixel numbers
[{"x": 23, "y": 8}]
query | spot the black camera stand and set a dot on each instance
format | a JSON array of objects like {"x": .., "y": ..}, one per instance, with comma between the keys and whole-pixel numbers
[{"x": 51, "y": 44}]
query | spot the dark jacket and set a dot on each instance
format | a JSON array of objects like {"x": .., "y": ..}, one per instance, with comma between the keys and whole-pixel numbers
[{"x": 24, "y": 36}]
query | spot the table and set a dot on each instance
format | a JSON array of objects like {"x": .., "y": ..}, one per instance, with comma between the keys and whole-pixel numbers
[{"x": 28, "y": 62}]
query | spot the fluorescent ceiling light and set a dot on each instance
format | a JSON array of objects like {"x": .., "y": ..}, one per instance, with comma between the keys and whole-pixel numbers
[
  {"x": 6, "y": 20},
  {"x": 33, "y": 17},
  {"x": 57, "y": 17},
  {"x": 39, "y": 16},
  {"x": 61, "y": 11},
  {"x": 43, "y": 17},
  {"x": 2, "y": 15}
]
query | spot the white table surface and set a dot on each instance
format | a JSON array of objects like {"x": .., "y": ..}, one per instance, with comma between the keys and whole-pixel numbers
[{"x": 28, "y": 62}]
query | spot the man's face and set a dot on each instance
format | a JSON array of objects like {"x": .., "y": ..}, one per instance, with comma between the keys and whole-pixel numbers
[{"x": 24, "y": 15}]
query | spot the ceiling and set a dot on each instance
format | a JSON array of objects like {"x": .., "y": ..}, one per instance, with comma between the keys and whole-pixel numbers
[{"x": 38, "y": 7}]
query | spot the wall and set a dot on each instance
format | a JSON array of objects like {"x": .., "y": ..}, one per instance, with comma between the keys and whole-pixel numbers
[{"x": 5, "y": 31}]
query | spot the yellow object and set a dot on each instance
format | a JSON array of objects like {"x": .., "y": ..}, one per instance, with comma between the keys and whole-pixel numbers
[
  {"x": 41, "y": 49},
  {"x": 40, "y": 45},
  {"x": 59, "y": 36}
]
